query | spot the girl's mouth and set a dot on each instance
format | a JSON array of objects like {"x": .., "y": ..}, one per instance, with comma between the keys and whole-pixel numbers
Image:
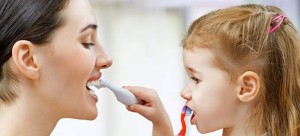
[{"x": 193, "y": 119}]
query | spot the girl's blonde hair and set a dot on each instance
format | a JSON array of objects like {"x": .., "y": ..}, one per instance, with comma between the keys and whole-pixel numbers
[{"x": 240, "y": 38}]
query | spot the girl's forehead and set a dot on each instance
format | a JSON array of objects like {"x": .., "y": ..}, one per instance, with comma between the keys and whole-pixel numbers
[{"x": 198, "y": 58}]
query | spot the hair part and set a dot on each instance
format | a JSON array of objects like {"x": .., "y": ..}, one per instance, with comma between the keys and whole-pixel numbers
[
  {"x": 32, "y": 20},
  {"x": 239, "y": 37}
]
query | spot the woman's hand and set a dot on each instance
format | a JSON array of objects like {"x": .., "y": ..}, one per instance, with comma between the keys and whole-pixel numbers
[{"x": 152, "y": 109}]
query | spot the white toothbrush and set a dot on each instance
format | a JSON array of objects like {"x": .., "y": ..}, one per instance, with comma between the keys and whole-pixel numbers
[{"x": 124, "y": 96}]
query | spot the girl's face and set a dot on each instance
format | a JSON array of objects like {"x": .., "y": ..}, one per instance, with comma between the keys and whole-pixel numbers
[
  {"x": 209, "y": 92},
  {"x": 72, "y": 58}
]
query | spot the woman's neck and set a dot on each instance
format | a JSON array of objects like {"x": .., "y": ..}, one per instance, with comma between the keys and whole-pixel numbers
[{"x": 26, "y": 116}]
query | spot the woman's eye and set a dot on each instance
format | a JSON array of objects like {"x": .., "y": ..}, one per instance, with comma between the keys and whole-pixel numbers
[
  {"x": 88, "y": 45},
  {"x": 196, "y": 80}
]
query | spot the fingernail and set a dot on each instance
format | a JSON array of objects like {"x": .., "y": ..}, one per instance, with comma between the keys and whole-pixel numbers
[{"x": 130, "y": 107}]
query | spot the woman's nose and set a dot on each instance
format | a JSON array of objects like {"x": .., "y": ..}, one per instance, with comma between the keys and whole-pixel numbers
[
  {"x": 186, "y": 93},
  {"x": 103, "y": 60}
]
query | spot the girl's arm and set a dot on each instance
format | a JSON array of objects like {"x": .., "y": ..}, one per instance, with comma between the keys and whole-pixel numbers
[{"x": 153, "y": 110}]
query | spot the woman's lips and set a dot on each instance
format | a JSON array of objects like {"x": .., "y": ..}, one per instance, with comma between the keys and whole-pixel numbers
[
  {"x": 95, "y": 97},
  {"x": 95, "y": 76}
]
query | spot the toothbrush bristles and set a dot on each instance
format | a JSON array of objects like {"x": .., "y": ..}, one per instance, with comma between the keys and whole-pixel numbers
[{"x": 188, "y": 111}]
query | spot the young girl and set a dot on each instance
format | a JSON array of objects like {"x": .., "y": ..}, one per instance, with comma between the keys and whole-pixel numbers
[
  {"x": 48, "y": 52},
  {"x": 244, "y": 69}
]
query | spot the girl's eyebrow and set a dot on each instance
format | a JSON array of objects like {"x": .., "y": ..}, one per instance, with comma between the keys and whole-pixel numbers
[
  {"x": 90, "y": 26},
  {"x": 192, "y": 70}
]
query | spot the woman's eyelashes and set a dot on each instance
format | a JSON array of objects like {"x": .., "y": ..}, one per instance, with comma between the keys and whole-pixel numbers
[
  {"x": 196, "y": 80},
  {"x": 88, "y": 45}
]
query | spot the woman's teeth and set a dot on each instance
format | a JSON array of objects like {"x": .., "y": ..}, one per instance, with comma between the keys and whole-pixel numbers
[
  {"x": 92, "y": 85},
  {"x": 92, "y": 92}
]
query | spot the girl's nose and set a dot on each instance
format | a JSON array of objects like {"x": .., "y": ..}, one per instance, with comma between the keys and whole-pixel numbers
[{"x": 186, "y": 93}]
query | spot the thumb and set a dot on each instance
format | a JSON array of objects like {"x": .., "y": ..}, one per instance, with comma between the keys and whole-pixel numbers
[{"x": 141, "y": 109}]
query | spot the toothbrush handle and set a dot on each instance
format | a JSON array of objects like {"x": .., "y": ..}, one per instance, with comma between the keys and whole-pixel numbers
[
  {"x": 126, "y": 97},
  {"x": 123, "y": 95}
]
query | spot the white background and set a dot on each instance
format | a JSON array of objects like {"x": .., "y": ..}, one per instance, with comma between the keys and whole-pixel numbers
[{"x": 143, "y": 37}]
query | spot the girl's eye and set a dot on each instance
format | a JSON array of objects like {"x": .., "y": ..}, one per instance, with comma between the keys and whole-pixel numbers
[
  {"x": 196, "y": 80},
  {"x": 88, "y": 45}
]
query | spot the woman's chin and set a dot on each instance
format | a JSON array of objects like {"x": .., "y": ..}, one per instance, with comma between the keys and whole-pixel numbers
[
  {"x": 91, "y": 116},
  {"x": 86, "y": 115}
]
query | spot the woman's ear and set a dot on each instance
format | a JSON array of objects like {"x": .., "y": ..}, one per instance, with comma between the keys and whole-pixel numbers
[
  {"x": 23, "y": 57},
  {"x": 249, "y": 86}
]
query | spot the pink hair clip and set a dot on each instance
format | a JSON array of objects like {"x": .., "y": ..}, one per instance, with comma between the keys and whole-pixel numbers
[{"x": 275, "y": 19}]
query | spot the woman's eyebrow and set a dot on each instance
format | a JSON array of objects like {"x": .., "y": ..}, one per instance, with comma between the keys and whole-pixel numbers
[{"x": 90, "y": 26}]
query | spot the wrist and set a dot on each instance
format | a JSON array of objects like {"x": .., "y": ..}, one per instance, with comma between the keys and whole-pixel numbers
[{"x": 162, "y": 129}]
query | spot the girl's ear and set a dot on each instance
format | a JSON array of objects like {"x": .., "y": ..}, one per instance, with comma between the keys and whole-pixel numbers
[
  {"x": 249, "y": 86},
  {"x": 24, "y": 59}
]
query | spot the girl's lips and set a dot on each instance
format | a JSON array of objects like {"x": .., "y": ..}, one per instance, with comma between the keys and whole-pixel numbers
[{"x": 193, "y": 119}]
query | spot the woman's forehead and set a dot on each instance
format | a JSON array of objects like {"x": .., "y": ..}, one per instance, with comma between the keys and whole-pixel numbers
[{"x": 79, "y": 11}]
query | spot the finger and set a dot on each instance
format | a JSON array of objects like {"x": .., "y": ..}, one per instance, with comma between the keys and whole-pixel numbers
[
  {"x": 145, "y": 94},
  {"x": 143, "y": 110}
]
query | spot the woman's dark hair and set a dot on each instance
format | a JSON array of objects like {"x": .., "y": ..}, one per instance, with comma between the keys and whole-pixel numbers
[{"x": 32, "y": 20}]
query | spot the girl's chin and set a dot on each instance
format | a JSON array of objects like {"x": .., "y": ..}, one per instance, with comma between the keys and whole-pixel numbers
[
  {"x": 205, "y": 130},
  {"x": 202, "y": 131}
]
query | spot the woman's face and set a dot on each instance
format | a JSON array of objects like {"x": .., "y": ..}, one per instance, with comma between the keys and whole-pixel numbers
[
  {"x": 73, "y": 57},
  {"x": 209, "y": 92}
]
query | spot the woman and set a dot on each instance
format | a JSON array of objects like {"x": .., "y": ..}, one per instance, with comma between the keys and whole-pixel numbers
[{"x": 48, "y": 52}]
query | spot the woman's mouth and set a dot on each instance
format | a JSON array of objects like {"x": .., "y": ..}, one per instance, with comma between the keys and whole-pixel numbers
[{"x": 91, "y": 91}]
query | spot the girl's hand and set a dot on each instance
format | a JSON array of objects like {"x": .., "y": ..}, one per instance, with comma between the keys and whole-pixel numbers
[{"x": 152, "y": 109}]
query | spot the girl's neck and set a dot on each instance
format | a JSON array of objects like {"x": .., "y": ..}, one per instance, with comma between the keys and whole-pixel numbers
[
  {"x": 237, "y": 132},
  {"x": 27, "y": 117},
  {"x": 240, "y": 128}
]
